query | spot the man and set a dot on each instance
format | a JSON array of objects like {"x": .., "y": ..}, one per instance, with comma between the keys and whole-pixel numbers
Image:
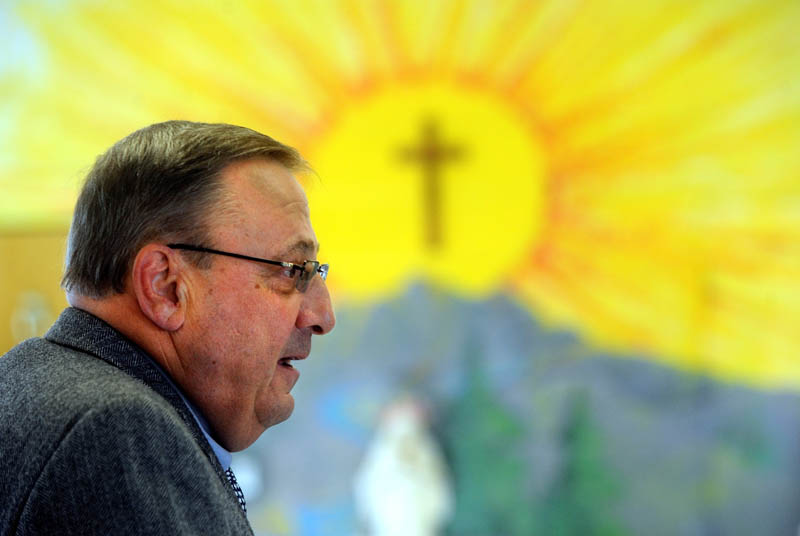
[{"x": 193, "y": 285}]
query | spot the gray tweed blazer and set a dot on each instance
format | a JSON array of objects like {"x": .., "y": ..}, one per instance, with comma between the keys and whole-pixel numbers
[{"x": 93, "y": 440}]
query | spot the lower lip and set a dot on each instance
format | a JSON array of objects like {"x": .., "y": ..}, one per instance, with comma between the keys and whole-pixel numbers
[{"x": 290, "y": 370}]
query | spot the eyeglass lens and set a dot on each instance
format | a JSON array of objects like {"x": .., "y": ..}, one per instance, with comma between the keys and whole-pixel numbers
[{"x": 309, "y": 269}]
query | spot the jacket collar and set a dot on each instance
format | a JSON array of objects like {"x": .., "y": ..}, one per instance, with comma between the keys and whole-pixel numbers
[{"x": 85, "y": 332}]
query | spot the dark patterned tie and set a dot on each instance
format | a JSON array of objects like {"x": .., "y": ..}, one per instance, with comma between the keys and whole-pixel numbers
[{"x": 236, "y": 489}]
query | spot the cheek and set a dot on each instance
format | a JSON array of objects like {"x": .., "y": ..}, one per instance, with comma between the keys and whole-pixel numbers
[
  {"x": 277, "y": 325},
  {"x": 254, "y": 322},
  {"x": 266, "y": 326}
]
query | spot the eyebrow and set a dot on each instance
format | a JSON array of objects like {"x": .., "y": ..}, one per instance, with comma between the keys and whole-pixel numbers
[{"x": 302, "y": 247}]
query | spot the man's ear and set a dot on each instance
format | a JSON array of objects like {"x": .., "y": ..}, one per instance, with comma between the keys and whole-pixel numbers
[{"x": 157, "y": 282}]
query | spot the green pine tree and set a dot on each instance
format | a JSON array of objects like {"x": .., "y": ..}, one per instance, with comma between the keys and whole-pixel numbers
[
  {"x": 582, "y": 498},
  {"x": 483, "y": 440}
]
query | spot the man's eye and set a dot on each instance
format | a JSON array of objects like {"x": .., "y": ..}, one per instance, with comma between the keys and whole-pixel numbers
[{"x": 288, "y": 271}]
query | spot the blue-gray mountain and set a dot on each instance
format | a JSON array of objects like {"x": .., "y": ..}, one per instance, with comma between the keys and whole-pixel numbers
[{"x": 543, "y": 434}]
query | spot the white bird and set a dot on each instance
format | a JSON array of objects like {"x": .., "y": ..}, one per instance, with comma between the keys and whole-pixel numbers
[{"x": 402, "y": 486}]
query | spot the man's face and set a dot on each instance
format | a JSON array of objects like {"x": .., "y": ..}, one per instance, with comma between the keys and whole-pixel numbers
[{"x": 245, "y": 320}]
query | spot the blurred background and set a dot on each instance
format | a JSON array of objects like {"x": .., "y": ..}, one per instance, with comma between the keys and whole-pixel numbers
[{"x": 564, "y": 240}]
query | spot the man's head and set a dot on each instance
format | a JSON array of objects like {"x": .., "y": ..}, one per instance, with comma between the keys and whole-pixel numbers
[
  {"x": 223, "y": 327},
  {"x": 162, "y": 181}
]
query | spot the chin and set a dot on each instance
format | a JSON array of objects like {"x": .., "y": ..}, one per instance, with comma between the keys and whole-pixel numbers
[
  {"x": 279, "y": 413},
  {"x": 284, "y": 415}
]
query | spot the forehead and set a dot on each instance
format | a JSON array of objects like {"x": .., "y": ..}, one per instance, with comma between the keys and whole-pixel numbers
[{"x": 266, "y": 210}]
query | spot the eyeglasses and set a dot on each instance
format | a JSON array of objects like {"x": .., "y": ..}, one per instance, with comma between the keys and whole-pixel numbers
[{"x": 306, "y": 271}]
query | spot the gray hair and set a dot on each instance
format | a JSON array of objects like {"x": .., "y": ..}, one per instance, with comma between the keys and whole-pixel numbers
[{"x": 159, "y": 183}]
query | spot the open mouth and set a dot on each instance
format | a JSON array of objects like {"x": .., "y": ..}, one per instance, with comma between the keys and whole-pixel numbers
[{"x": 286, "y": 362}]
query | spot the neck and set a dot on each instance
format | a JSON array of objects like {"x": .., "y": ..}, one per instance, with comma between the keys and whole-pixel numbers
[{"x": 122, "y": 312}]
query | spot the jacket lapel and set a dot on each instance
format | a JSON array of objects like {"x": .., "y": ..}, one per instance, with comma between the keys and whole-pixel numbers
[{"x": 85, "y": 332}]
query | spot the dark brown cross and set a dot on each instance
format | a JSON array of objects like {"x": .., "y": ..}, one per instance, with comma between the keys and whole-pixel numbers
[{"x": 432, "y": 153}]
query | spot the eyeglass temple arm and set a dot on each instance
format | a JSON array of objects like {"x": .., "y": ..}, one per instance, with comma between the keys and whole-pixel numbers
[{"x": 201, "y": 249}]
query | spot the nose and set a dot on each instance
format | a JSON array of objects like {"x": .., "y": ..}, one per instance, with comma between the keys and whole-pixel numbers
[{"x": 316, "y": 311}]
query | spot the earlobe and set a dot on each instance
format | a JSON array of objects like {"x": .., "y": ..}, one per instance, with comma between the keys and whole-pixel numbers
[{"x": 158, "y": 286}]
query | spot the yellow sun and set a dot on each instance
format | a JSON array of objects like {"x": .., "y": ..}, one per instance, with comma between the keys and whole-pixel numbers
[
  {"x": 628, "y": 170},
  {"x": 379, "y": 162}
]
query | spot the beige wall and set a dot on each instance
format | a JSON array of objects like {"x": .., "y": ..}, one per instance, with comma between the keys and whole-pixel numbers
[{"x": 30, "y": 272}]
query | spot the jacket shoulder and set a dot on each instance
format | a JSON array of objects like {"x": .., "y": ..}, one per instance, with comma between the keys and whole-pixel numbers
[
  {"x": 52, "y": 382},
  {"x": 78, "y": 432}
]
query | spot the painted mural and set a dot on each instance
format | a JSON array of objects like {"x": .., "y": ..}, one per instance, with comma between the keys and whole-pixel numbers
[{"x": 564, "y": 240}]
